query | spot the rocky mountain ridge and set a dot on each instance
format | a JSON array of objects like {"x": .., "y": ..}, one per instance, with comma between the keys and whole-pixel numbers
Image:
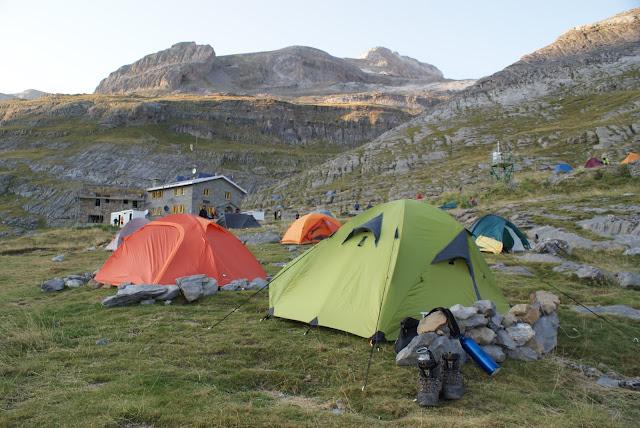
[
  {"x": 289, "y": 72},
  {"x": 546, "y": 107},
  {"x": 29, "y": 94}
]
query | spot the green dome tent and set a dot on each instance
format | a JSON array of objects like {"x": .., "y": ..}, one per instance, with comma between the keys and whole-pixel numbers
[
  {"x": 495, "y": 234},
  {"x": 393, "y": 261}
]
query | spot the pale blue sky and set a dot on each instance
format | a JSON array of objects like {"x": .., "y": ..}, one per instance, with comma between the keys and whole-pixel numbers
[{"x": 68, "y": 46}]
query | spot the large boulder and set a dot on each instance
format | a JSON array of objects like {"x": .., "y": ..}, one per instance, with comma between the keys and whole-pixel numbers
[
  {"x": 555, "y": 247},
  {"x": 546, "y": 332},
  {"x": 129, "y": 294}
]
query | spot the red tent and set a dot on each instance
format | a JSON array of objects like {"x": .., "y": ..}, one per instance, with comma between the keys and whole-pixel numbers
[
  {"x": 179, "y": 245},
  {"x": 593, "y": 163}
]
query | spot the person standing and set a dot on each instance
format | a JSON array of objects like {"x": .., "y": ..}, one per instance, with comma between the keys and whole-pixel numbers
[{"x": 356, "y": 206}]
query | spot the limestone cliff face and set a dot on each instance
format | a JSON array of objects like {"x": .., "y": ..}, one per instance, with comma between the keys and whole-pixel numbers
[
  {"x": 183, "y": 66},
  {"x": 51, "y": 148}
]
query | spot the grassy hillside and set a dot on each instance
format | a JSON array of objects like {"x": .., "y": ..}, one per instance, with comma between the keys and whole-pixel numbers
[
  {"x": 51, "y": 147},
  {"x": 539, "y": 134}
]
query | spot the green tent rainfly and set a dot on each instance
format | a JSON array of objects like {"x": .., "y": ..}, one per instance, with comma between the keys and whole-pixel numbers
[
  {"x": 393, "y": 261},
  {"x": 495, "y": 234}
]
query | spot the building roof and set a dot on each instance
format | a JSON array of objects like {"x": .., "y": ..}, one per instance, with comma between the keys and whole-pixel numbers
[{"x": 196, "y": 181}]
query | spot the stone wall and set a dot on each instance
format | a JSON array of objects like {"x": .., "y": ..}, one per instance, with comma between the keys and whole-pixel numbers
[{"x": 527, "y": 332}]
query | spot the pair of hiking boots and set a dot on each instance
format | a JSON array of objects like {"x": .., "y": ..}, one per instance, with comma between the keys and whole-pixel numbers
[{"x": 438, "y": 379}]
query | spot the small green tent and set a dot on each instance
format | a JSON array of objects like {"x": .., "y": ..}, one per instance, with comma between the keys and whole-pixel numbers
[
  {"x": 495, "y": 234},
  {"x": 393, "y": 261}
]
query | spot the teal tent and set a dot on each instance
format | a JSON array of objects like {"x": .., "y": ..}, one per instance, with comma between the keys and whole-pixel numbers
[{"x": 495, "y": 234}]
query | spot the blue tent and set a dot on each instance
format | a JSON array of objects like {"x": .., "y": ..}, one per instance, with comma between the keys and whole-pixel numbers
[{"x": 562, "y": 168}]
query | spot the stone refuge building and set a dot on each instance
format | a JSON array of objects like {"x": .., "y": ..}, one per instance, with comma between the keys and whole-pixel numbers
[
  {"x": 215, "y": 194},
  {"x": 96, "y": 204}
]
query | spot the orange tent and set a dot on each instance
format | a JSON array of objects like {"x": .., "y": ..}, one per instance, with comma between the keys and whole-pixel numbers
[
  {"x": 179, "y": 245},
  {"x": 631, "y": 157},
  {"x": 310, "y": 228}
]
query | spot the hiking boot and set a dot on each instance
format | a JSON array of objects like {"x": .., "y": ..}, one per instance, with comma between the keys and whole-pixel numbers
[
  {"x": 452, "y": 382},
  {"x": 429, "y": 380}
]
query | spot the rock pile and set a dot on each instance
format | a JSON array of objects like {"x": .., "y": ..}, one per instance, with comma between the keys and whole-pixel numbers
[
  {"x": 527, "y": 332},
  {"x": 192, "y": 288},
  {"x": 71, "y": 281}
]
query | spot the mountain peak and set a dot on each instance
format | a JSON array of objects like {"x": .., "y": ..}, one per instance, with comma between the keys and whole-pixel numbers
[{"x": 381, "y": 60}]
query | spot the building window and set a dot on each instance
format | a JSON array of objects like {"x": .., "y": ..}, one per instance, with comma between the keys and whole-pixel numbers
[
  {"x": 178, "y": 209},
  {"x": 156, "y": 194},
  {"x": 227, "y": 195},
  {"x": 178, "y": 191},
  {"x": 106, "y": 201},
  {"x": 205, "y": 192},
  {"x": 125, "y": 201},
  {"x": 97, "y": 202},
  {"x": 134, "y": 204}
]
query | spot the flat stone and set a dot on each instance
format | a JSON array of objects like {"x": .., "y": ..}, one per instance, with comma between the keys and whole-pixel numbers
[
  {"x": 608, "y": 382},
  {"x": 585, "y": 272},
  {"x": 540, "y": 258},
  {"x": 130, "y": 294},
  {"x": 548, "y": 302},
  {"x": 495, "y": 352},
  {"x": 147, "y": 302},
  {"x": 521, "y": 333},
  {"x": 102, "y": 341},
  {"x": 523, "y": 353},
  {"x": 462, "y": 312},
  {"x": 482, "y": 335},
  {"x": 55, "y": 284},
  {"x": 485, "y": 307},
  {"x": 546, "y": 329},
  {"x": 628, "y": 280},
  {"x": 619, "y": 310},
  {"x": 58, "y": 258},
  {"x": 432, "y": 322},
  {"x": 512, "y": 270},
  {"x": 632, "y": 251}
]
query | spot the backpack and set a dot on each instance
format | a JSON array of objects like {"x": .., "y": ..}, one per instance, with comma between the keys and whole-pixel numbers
[{"x": 408, "y": 330}]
